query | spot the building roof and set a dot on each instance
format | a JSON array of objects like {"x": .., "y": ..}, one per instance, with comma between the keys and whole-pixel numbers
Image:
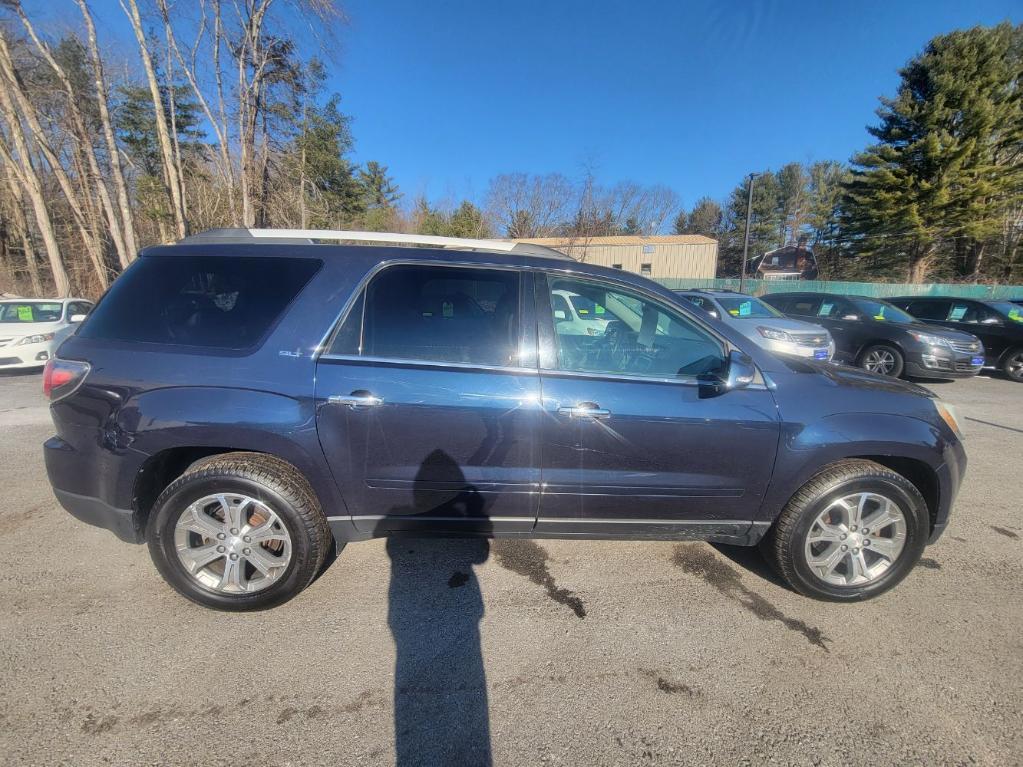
[{"x": 630, "y": 239}]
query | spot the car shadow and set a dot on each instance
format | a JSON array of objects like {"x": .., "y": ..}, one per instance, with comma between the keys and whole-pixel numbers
[{"x": 751, "y": 560}]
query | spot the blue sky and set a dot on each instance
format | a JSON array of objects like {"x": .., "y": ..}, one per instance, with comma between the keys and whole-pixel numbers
[{"x": 688, "y": 94}]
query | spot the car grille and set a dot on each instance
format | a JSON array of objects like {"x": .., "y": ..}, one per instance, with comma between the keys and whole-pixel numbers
[
  {"x": 965, "y": 346},
  {"x": 965, "y": 366},
  {"x": 810, "y": 339}
]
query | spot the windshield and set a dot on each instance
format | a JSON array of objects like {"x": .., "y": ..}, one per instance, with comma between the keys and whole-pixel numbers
[
  {"x": 30, "y": 311},
  {"x": 1008, "y": 309},
  {"x": 747, "y": 307},
  {"x": 882, "y": 311}
]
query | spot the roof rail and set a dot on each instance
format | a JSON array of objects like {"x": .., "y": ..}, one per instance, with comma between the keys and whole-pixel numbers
[{"x": 312, "y": 236}]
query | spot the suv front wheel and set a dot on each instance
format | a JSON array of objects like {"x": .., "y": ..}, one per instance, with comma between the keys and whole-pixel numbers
[
  {"x": 855, "y": 530},
  {"x": 238, "y": 531}
]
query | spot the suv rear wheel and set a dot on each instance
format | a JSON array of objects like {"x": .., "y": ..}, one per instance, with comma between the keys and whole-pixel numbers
[
  {"x": 238, "y": 531},
  {"x": 882, "y": 359},
  {"x": 852, "y": 532}
]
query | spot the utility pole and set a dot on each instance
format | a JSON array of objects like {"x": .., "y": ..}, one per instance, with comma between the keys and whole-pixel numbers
[{"x": 745, "y": 244}]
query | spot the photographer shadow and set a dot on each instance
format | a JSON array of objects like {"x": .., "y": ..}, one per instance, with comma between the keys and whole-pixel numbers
[{"x": 435, "y": 606}]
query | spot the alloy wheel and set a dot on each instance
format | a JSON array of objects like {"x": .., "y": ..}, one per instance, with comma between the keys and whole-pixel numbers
[
  {"x": 879, "y": 361},
  {"x": 856, "y": 539},
  {"x": 1014, "y": 366},
  {"x": 232, "y": 543}
]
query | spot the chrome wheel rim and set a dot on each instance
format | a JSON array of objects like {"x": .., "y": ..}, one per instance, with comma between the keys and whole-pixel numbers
[
  {"x": 1015, "y": 366},
  {"x": 232, "y": 543},
  {"x": 880, "y": 361},
  {"x": 856, "y": 539}
]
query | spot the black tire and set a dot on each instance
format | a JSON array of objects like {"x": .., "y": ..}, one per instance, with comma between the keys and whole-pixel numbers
[
  {"x": 1012, "y": 365},
  {"x": 898, "y": 361},
  {"x": 784, "y": 545},
  {"x": 269, "y": 480}
]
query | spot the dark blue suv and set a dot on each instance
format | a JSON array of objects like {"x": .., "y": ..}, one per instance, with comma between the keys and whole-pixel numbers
[{"x": 242, "y": 405}]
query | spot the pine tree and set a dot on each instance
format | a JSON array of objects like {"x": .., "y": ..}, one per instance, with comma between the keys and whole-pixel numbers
[
  {"x": 946, "y": 165},
  {"x": 704, "y": 218},
  {"x": 378, "y": 188}
]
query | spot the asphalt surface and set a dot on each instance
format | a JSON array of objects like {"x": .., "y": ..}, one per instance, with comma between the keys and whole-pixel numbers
[{"x": 552, "y": 652}]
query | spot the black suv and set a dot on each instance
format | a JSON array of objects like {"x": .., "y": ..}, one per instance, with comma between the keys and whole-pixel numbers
[
  {"x": 243, "y": 406},
  {"x": 998, "y": 324},
  {"x": 879, "y": 337}
]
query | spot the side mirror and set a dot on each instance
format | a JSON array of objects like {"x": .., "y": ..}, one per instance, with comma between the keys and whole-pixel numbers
[
  {"x": 77, "y": 317},
  {"x": 739, "y": 372},
  {"x": 712, "y": 313}
]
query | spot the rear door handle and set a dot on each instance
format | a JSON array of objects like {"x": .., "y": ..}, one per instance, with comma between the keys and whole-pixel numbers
[
  {"x": 356, "y": 400},
  {"x": 585, "y": 410}
]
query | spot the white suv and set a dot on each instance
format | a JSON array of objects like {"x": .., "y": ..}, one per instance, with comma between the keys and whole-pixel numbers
[{"x": 31, "y": 329}]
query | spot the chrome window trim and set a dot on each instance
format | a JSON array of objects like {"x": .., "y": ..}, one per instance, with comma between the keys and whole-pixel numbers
[{"x": 399, "y": 361}]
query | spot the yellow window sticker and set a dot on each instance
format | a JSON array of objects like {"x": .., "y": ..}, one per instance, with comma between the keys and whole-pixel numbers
[
  {"x": 1015, "y": 316},
  {"x": 25, "y": 314}
]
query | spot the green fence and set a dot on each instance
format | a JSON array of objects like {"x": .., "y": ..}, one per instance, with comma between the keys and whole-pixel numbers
[{"x": 873, "y": 289}]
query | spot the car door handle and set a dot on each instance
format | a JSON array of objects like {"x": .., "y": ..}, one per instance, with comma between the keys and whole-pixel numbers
[
  {"x": 355, "y": 400},
  {"x": 585, "y": 410}
]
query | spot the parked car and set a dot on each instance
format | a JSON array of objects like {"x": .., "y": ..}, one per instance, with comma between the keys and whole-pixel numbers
[
  {"x": 998, "y": 324},
  {"x": 31, "y": 329},
  {"x": 763, "y": 324},
  {"x": 242, "y": 407},
  {"x": 578, "y": 315},
  {"x": 878, "y": 336}
]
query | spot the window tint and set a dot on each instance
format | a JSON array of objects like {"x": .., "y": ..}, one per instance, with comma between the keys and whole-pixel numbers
[
  {"x": 226, "y": 302},
  {"x": 928, "y": 310},
  {"x": 443, "y": 314},
  {"x": 639, "y": 337},
  {"x": 349, "y": 336},
  {"x": 807, "y": 306}
]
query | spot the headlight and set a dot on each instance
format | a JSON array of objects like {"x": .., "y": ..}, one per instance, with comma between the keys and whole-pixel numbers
[
  {"x": 948, "y": 415},
  {"x": 36, "y": 339},
  {"x": 774, "y": 335},
  {"x": 928, "y": 339}
]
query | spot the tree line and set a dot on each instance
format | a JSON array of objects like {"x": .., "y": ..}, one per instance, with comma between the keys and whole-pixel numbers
[{"x": 221, "y": 117}]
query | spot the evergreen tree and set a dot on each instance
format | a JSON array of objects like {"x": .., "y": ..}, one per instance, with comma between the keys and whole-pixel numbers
[
  {"x": 704, "y": 218},
  {"x": 946, "y": 165},
  {"x": 378, "y": 188}
]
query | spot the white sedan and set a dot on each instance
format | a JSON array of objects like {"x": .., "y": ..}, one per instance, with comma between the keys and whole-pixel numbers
[{"x": 31, "y": 329}]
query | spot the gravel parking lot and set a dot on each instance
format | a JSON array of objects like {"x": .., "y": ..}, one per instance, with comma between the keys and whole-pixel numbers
[{"x": 559, "y": 652}]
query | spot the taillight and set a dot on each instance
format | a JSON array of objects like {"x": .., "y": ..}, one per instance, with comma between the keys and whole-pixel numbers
[{"x": 62, "y": 377}]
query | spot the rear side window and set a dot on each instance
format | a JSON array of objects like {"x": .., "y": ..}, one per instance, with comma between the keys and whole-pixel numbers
[
  {"x": 927, "y": 310},
  {"x": 443, "y": 314},
  {"x": 222, "y": 302}
]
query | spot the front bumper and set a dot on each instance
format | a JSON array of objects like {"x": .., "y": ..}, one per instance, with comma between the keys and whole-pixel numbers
[
  {"x": 950, "y": 477},
  {"x": 793, "y": 349},
  {"x": 936, "y": 363},
  {"x": 25, "y": 355}
]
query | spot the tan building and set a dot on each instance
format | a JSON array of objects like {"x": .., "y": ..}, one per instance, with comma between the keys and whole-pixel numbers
[{"x": 687, "y": 256}]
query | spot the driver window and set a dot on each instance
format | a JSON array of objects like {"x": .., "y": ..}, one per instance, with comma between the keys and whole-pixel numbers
[{"x": 623, "y": 333}]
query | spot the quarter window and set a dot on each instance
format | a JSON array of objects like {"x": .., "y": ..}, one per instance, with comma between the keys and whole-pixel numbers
[
  {"x": 441, "y": 314},
  {"x": 629, "y": 334}
]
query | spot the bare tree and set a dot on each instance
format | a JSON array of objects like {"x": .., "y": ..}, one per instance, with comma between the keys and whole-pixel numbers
[
  {"x": 172, "y": 178},
  {"x": 113, "y": 153}
]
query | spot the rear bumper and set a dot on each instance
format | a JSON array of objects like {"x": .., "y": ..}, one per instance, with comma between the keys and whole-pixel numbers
[
  {"x": 121, "y": 522},
  {"x": 65, "y": 469}
]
